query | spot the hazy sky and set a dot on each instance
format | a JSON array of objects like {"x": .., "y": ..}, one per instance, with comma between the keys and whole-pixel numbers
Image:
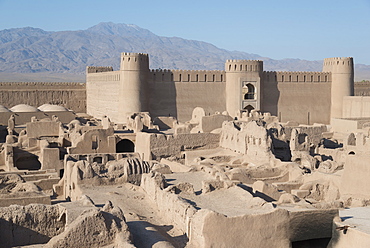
[{"x": 278, "y": 29}]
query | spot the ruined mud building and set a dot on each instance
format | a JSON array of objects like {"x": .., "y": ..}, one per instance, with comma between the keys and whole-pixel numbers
[{"x": 220, "y": 175}]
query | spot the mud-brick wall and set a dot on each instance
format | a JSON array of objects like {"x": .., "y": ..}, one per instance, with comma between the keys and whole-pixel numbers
[
  {"x": 157, "y": 146},
  {"x": 69, "y": 95}
]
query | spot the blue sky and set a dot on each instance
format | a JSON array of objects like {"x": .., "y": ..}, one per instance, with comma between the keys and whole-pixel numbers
[{"x": 310, "y": 30}]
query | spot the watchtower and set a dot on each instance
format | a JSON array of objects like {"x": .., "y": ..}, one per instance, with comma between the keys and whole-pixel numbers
[
  {"x": 133, "y": 86},
  {"x": 243, "y": 85},
  {"x": 342, "y": 82}
]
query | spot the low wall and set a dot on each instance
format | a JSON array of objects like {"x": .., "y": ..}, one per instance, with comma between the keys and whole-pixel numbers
[
  {"x": 157, "y": 146},
  {"x": 21, "y": 118}
]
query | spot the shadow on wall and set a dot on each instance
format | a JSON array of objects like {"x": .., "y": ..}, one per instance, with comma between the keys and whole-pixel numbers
[
  {"x": 271, "y": 94},
  {"x": 146, "y": 234},
  {"x": 25, "y": 160},
  {"x": 162, "y": 94},
  {"x": 12, "y": 235},
  {"x": 124, "y": 146}
]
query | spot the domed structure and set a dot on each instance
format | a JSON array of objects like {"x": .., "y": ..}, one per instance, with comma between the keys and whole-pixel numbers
[
  {"x": 23, "y": 108},
  {"x": 3, "y": 109},
  {"x": 51, "y": 108}
]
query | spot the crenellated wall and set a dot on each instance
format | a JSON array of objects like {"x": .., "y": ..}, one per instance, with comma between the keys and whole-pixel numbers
[
  {"x": 69, "y": 95},
  {"x": 158, "y": 75},
  {"x": 304, "y": 97},
  {"x": 178, "y": 92}
]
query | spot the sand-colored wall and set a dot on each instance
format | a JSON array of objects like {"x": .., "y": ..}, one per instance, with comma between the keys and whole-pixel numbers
[
  {"x": 356, "y": 106},
  {"x": 69, "y": 95},
  {"x": 355, "y": 179},
  {"x": 156, "y": 146},
  {"x": 179, "y": 99},
  {"x": 304, "y": 97},
  {"x": 103, "y": 94}
]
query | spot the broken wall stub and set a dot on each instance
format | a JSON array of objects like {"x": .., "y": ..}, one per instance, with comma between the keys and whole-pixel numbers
[
  {"x": 258, "y": 142},
  {"x": 94, "y": 141},
  {"x": 248, "y": 138},
  {"x": 157, "y": 146},
  {"x": 43, "y": 129},
  {"x": 82, "y": 172},
  {"x": 212, "y": 122},
  {"x": 31, "y": 224},
  {"x": 233, "y": 138},
  {"x": 313, "y": 132}
]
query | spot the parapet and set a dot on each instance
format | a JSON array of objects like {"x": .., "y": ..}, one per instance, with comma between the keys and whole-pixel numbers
[
  {"x": 297, "y": 76},
  {"x": 233, "y": 65},
  {"x": 338, "y": 65},
  {"x": 159, "y": 75},
  {"x": 134, "y": 61},
  {"x": 96, "y": 69}
]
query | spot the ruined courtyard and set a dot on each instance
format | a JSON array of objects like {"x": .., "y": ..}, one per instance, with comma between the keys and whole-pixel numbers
[{"x": 134, "y": 172}]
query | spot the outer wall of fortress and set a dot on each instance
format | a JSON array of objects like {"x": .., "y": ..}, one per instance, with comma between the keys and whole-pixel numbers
[{"x": 306, "y": 97}]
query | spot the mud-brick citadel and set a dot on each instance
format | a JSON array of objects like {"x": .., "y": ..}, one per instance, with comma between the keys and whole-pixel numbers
[
  {"x": 173, "y": 158},
  {"x": 306, "y": 97}
]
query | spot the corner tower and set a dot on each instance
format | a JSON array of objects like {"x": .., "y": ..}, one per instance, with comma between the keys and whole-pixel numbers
[
  {"x": 133, "y": 87},
  {"x": 342, "y": 82},
  {"x": 243, "y": 85}
]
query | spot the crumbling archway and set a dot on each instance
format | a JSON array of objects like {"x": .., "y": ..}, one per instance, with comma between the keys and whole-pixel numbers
[{"x": 125, "y": 145}]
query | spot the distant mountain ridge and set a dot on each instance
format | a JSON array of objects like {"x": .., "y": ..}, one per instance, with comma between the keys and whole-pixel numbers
[{"x": 30, "y": 50}]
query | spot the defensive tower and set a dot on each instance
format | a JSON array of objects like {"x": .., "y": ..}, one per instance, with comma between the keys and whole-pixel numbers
[
  {"x": 342, "y": 82},
  {"x": 243, "y": 85},
  {"x": 133, "y": 87}
]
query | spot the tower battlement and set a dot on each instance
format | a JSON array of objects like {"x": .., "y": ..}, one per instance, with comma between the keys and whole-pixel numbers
[
  {"x": 338, "y": 65},
  {"x": 134, "y": 61},
  {"x": 233, "y": 65}
]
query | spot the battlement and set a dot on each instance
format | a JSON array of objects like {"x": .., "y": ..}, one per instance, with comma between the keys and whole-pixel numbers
[
  {"x": 164, "y": 75},
  {"x": 134, "y": 54},
  {"x": 234, "y": 65},
  {"x": 297, "y": 76},
  {"x": 134, "y": 61},
  {"x": 337, "y": 60},
  {"x": 338, "y": 65},
  {"x": 97, "y": 69}
]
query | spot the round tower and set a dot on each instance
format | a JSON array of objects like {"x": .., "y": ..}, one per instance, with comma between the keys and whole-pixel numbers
[
  {"x": 133, "y": 88},
  {"x": 342, "y": 82},
  {"x": 243, "y": 85}
]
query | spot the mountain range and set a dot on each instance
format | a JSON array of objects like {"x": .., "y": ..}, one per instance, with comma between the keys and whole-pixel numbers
[{"x": 35, "y": 51}]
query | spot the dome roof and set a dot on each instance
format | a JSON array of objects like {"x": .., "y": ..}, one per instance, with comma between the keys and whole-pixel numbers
[
  {"x": 51, "y": 108},
  {"x": 23, "y": 108},
  {"x": 3, "y": 109}
]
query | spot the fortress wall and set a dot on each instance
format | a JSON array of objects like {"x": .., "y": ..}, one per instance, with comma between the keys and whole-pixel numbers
[
  {"x": 180, "y": 98},
  {"x": 186, "y": 76},
  {"x": 102, "y": 92},
  {"x": 362, "y": 88},
  {"x": 306, "y": 101},
  {"x": 69, "y": 95}
]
